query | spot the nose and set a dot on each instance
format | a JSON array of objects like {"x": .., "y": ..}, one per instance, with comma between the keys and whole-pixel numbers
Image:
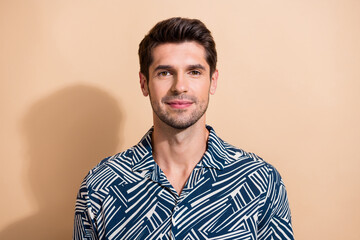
[{"x": 180, "y": 84}]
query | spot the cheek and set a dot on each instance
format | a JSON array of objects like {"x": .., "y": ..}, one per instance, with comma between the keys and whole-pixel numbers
[
  {"x": 155, "y": 93},
  {"x": 204, "y": 89},
  {"x": 159, "y": 89}
]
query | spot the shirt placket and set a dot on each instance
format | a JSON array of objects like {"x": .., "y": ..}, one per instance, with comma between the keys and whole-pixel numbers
[
  {"x": 157, "y": 175},
  {"x": 173, "y": 220},
  {"x": 181, "y": 200}
]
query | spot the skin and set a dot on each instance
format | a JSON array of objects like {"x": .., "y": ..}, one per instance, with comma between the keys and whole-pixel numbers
[{"x": 179, "y": 85}]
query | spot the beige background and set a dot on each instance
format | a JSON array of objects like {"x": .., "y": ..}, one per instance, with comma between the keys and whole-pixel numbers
[{"x": 288, "y": 90}]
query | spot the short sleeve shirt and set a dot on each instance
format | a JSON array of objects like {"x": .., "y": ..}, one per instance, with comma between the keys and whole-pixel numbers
[{"x": 230, "y": 194}]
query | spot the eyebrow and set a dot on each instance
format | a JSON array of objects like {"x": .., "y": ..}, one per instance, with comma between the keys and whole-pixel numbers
[
  {"x": 197, "y": 66},
  {"x": 163, "y": 67},
  {"x": 167, "y": 67}
]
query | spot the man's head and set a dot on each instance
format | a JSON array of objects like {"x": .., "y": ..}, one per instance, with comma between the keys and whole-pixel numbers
[
  {"x": 177, "y": 30},
  {"x": 178, "y": 71}
]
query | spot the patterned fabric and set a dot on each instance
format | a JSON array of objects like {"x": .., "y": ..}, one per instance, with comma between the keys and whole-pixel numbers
[{"x": 231, "y": 194}]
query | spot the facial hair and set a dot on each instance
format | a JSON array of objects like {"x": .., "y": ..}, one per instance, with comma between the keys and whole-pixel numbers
[{"x": 179, "y": 118}]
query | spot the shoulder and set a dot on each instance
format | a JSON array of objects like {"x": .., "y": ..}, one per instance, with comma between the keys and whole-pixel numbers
[
  {"x": 261, "y": 177},
  {"x": 113, "y": 170},
  {"x": 251, "y": 164},
  {"x": 227, "y": 157},
  {"x": 119, "y": 169},
  {"x": 108, "y": 177}
]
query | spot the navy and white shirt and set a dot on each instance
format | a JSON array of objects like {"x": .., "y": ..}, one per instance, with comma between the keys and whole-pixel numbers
[{"x": 230, "y": 194}]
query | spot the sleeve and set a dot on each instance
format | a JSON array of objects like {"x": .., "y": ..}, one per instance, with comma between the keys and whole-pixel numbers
[
  {"x": 275, "y": 216},
  {"x": 84, "y": 220}
]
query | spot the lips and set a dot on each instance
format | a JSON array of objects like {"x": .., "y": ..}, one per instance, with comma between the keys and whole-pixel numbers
[{"x": 179, "y": 104}]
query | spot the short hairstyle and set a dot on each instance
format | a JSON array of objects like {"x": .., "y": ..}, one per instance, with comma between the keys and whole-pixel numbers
[{"x": 176, "y": 30}]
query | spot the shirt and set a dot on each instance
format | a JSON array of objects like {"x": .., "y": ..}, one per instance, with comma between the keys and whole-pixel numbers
[{"x": 230, "y": 194}]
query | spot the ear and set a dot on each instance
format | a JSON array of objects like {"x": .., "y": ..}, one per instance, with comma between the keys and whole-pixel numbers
[
  {"x": 143, "y": 84},
  {"x": 213, "y": 83}
]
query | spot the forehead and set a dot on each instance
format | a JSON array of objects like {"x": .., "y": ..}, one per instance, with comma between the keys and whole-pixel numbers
[{"x": 179, "y": 54}]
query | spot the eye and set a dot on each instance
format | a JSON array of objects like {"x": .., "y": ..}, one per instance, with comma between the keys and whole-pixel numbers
[
  {"x": 164, "y": 74},
  {"x": 195, "y": 72}
]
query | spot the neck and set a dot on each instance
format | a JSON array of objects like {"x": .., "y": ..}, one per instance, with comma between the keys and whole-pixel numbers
[
  {"x": 178, "y": 151},
  {"x": 174, "y": 144}
]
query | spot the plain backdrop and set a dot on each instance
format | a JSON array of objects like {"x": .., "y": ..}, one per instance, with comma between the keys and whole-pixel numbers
[{"x": 288, "y": 90}]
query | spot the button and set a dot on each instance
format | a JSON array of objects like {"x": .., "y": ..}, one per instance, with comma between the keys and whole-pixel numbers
[{"x": 176, "y": 208}]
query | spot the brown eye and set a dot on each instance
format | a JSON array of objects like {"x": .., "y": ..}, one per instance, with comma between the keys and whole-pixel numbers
[
  {"x": 163, "y": 74},
  {"x": 195, "y": 72}
]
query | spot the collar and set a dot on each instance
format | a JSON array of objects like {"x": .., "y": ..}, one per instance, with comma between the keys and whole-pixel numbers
[{"x": 215, "y": 156}]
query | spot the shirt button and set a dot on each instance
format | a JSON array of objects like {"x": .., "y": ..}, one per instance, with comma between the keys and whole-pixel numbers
[{"x": 176, "y": 208}]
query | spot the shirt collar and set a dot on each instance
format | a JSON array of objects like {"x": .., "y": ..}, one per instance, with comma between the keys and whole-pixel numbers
[{"x": 215, "y": 156}]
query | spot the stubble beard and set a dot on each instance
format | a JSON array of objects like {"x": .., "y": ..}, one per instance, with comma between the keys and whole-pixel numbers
[{"x": 180, "y": 120}]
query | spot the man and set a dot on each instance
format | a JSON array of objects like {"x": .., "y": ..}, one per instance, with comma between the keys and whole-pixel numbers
[{"x": 181, "y": 181}]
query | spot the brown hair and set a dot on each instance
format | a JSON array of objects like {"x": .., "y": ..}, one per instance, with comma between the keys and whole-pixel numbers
[{"x": 177, "y": 30}]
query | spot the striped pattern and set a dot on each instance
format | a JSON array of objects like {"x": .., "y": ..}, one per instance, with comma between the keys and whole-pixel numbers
[{"x": 231, "y": 194}]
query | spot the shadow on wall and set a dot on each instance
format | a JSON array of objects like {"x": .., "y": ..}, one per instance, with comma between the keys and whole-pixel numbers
[{"x": 67, "y": 134}]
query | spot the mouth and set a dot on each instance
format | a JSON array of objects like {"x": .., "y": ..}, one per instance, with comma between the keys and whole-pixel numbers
[{"x": 179, "y": 104}]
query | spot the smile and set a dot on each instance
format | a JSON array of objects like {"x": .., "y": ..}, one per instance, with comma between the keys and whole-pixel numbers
[{"x": 179, "y": 104}]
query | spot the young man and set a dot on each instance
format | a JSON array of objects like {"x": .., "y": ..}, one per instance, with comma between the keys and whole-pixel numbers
[{"x": 181, "y": 181}]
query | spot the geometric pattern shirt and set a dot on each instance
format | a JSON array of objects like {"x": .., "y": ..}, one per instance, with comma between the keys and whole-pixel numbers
[{"x": 230, "y": 194}]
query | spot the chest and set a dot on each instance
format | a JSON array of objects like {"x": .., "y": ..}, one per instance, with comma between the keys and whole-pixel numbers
[{"x": 212, "y": 205}]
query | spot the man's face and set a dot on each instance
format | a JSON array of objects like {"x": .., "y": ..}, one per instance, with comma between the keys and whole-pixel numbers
[{"x": 179, "y": 84}]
